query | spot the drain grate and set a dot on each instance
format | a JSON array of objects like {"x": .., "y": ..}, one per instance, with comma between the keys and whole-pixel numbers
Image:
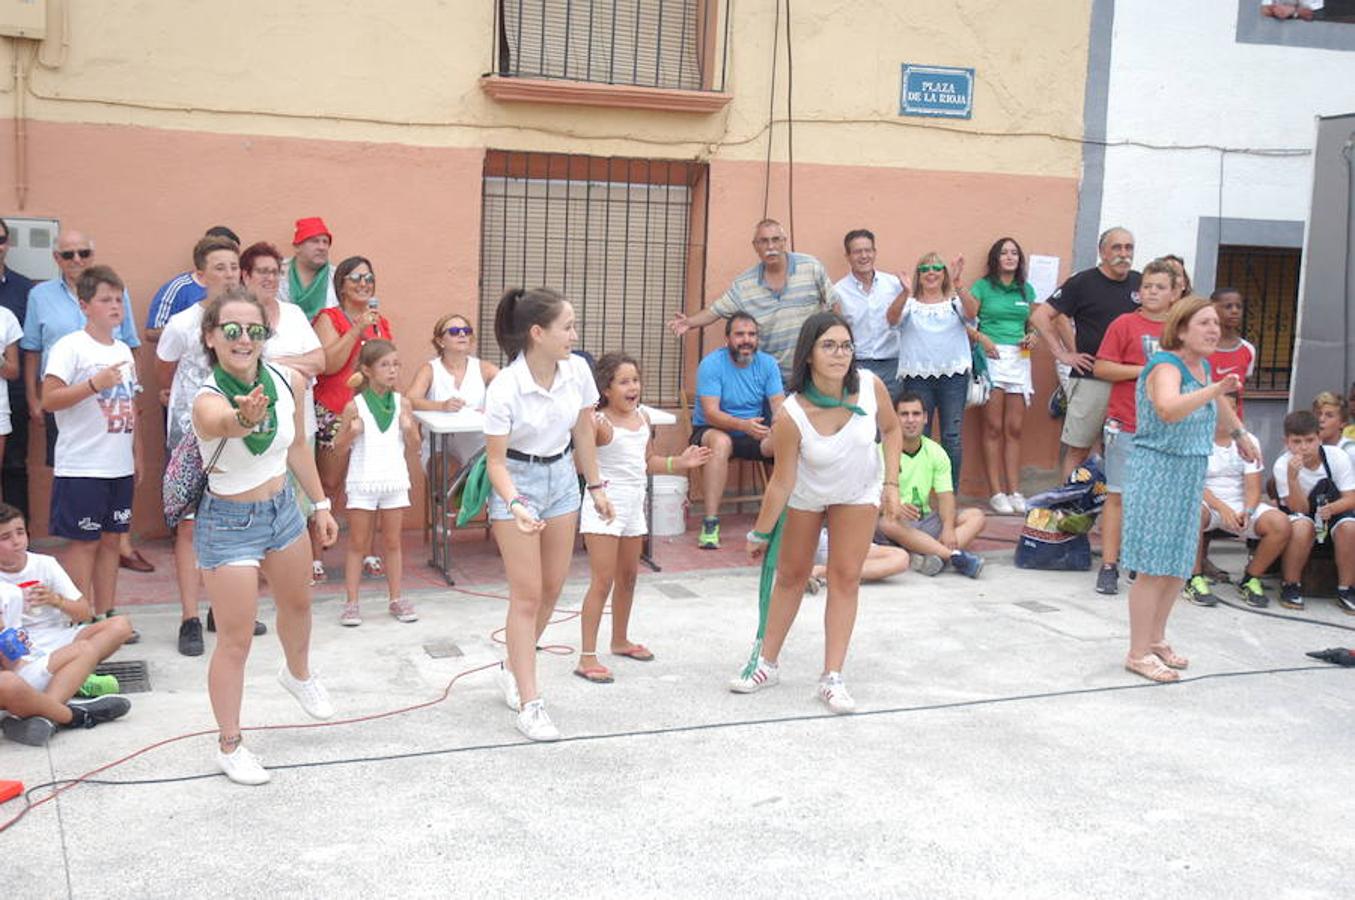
[
  {"x": 442, "y": 650},
  {"x": 674, "y": 590},
  {"x": 132, "y": 675},
  {"x": 1036, "y": 606}
]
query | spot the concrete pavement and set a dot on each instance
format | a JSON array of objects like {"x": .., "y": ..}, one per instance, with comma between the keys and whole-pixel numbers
[{"x": 988, "y": 757}]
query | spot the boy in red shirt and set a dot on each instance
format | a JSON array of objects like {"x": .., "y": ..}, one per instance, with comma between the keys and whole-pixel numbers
[
  {"x": 1128, "y": 342},
  {"x": 1235, "y": 355}
]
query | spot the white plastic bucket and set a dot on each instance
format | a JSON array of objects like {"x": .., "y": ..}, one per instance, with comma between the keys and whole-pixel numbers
[{"x": 670, "y": 505}]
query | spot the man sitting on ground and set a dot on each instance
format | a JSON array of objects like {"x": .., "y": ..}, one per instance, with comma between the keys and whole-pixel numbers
[
  {"x": 882, "y": 561},
  {"x": 1316, "y": 485},
  {"x": 934, "y": 535},
  {"x": 738, "y": 390},
  {"x": 1232, "y": 502}
]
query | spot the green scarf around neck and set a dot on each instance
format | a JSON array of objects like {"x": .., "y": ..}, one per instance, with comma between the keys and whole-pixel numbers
[
  {"x": 311, "y": 299},
  {"x": 819, "y": 398},
  {"x": 382, "y": 407},
  {"x": 261, "y": 438}
]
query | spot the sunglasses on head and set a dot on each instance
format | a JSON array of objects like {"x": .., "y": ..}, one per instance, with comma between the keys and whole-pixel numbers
[
  {"x": 361, "y": 278},
  {"x": 69, "y": 255},
  {"x": 932, "y": 267},
  {"x": 458, "y": 330},
  {"x": 257, "y": 331}
]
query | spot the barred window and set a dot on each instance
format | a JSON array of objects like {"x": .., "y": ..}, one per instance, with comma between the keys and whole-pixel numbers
[
  {"x": 613, "y": 235},
  {"x": 648, "y": 43},
  {"x": 1268, "y": 278}
]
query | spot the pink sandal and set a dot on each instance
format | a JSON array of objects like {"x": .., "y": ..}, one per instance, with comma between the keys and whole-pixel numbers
[
  {"x": 1164, "y": 652},
  {"x": 1150, "y": 667}
]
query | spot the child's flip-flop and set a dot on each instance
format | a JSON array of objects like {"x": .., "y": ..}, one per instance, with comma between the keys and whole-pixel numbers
[
  {"x": 595, "y": 674},
  {"x": 635, "y": 651}
]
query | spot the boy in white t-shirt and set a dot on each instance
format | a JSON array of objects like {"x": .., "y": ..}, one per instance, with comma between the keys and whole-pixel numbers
[
  {"x": 1316, "y": 485},
  {"x": 1232, "y": 502},
  {"x": 91, "y": 386}
]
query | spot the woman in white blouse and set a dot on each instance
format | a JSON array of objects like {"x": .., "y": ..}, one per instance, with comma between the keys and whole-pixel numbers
[
  {"x": 934, "y": 354},
  {"x": 454, "y": 379}
]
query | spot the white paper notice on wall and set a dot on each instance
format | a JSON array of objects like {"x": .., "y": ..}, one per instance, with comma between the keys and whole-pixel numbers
[{"x": 1042, "y": 273}]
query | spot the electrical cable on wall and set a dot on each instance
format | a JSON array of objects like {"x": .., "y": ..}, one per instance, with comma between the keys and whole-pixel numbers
[
  {"x": 771, "y": 111},
  {"x": 790, "y": 134}
]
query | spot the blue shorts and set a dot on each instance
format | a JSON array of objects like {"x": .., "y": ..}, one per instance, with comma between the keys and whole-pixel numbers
[
  {"x": 84, "y": 508},
  {"x": 551, "y": 489},
  {"x": 235, "y": 533},
  {"x": 1117, "y": 445}
]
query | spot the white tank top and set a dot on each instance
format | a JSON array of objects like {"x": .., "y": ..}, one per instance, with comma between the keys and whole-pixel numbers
[
  {"x": 444, "y": 387},
  {"x": 622, "y": 461},
  {"x": 237, "y": 470},
  {"x": 377, "y": 464},
  {"x": 841, "y": 467}
]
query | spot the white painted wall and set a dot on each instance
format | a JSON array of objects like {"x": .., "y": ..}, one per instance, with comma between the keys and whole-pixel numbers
[{"x": 1178, "y": 77}]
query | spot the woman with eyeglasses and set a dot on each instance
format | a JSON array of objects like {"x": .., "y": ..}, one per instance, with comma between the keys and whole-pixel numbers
[
  {"x": 830, "y": 471},
  {"x": 454, "y": 379},
  {"x": 247, "y": 418},
  {"x": 934, "y": 353},
  {"x": 343, "y": 329}
]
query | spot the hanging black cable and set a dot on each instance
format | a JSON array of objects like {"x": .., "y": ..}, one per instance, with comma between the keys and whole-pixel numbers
[
  {"x": 790, "y": 136},
  {"x": 771, "y": 112}
]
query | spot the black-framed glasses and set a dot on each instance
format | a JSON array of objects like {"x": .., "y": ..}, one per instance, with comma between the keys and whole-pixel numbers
[
  {"x": 458, "y": 331},
  {"x": 361, "y": 278},
  {"x": 69, "y": 255},
  {"x": 834, "y": 348},
  {"x": 257, "y": 331},
  {"x": 932, "y": 267},
  {"x": 260, "y": 272}
]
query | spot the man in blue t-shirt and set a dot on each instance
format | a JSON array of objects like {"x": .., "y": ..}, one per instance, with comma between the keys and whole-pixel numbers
[{"x": 738, "y": 390}]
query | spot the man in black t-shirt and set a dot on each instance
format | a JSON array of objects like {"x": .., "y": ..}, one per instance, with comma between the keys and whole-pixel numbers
[{"x": 1092, "y": 298}]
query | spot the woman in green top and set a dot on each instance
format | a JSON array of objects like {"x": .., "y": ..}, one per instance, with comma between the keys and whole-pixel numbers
[{"x": 1004, "y": 298}]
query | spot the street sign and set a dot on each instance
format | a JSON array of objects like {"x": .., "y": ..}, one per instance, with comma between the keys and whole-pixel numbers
[{"x": 936, "y": 91}]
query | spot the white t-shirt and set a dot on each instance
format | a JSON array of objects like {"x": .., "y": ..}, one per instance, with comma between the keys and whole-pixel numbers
[
  {"x": 95, "y": 435},
  {"x": 1342, "y": 473},
  {"x": 538, "y": 421},
  {"x": 181, "y": 342},
  {"x": 1348, "y": 445},
  {"x": 45, "y": 569},
  {"x": 10, "y": 331},
  {"x": 295, "y": 337},
  {"x": 1225, "y": 477}
]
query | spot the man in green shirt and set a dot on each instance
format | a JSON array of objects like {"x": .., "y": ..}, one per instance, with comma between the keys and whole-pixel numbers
[{"x": 930, "y": 528}]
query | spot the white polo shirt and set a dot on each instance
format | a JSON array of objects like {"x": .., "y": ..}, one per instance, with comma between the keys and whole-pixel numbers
[
  {"x": 537, "y": 420},
  {"x": 865, "y": 310}
]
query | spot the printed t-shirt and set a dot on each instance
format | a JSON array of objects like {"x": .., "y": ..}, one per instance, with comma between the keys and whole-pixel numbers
[{"x": 94, "y": 438}]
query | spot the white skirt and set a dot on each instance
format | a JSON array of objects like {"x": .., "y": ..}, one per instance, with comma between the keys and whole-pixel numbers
[{"x": 1010, "y": 372}]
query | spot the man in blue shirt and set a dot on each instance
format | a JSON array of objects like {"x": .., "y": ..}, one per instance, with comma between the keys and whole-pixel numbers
[
  {"x": 738, "y": 390},
  {"x": 180, "y": 292},
  {"x": 54, "y": 312},
  {"x": 14, "y": 290}
]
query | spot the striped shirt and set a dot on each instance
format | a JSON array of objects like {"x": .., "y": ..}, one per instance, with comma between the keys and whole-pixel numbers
[
  {"x": 779, "y": 314},
  {"x": 174, "y": 296}
]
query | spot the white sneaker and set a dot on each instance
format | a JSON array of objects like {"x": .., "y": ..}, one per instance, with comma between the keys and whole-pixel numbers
[
  {"x": 509, "y": 684},
  {"x": 241, "y": 767},
  {"x": 1001, "y": 505},
  {"x": 765, "y": 675},
  {"x": 311, "y": 694},
  {"x": 1018, "y": 502},
  {"x": 833, "y": 692},
  {"x": 534, "y": 724}
]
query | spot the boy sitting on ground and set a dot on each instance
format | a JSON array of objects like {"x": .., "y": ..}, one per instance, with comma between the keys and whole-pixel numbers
[
  {"x": 933, "y": 535},
  {"x": 1316, "y": 486},
  {"x": 1232, "y": 503},
  {"x": 881, "y": 562}
]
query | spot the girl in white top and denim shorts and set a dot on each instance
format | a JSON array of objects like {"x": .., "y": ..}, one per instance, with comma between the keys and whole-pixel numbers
[
  {"x": 829, "y": 469},
  {"x": 538, "y": 419},
  {"x": 248, "y": 519}
]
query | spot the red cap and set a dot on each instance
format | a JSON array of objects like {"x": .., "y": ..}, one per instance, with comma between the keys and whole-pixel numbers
[{"x": 309, "y": 228}]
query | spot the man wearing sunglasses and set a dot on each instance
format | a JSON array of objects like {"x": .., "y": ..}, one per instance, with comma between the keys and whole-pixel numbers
[
  {"x": 14, "y": 290},
  {"x": 54, "y": 312}
]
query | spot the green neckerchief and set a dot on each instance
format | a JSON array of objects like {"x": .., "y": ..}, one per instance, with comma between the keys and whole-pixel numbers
[
  {"x": 261, "y": 438},
  {"x": 382, "y": 407},
  {"x": 311, "y": 299},
  {"x": 766, "y": 580},
  {"x": 819, "y": 398}
]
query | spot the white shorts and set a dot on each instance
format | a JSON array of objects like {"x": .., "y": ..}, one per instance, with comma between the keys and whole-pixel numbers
[
  {"x": 1010, "y": 372},
  {"x": 867, "y": 496},
  {"x": 628, "y": 504},
  {"x": 36, "y": 674},
  {"x": 1248, "y": 533},
  {"x": 383, "y": 500}
]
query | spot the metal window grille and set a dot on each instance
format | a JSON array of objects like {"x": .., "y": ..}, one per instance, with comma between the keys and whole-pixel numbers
[
  {"x": 1268, "y": 278},
  {"x": 613, "y": 235},
  {"x": 648, "y": 43}
]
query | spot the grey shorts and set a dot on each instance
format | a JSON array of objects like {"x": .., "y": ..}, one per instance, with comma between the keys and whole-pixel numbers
[
  {"x": 1116, "y": 446},
  {"x": 930, "y": 525},
  {"x": 1087, "y": 399}
]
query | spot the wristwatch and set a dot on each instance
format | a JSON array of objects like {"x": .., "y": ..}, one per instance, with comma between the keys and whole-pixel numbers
[{"x": 325, "y": 504}]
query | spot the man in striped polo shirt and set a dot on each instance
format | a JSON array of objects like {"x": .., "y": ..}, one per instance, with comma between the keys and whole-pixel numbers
[{"x": 780, "y": 292}]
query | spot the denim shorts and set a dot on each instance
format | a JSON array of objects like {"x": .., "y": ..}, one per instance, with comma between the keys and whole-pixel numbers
[
  {"x": 1117, "y": 445},
  {"x": 236, "y": 533},
  {"x": 551, "y": 489}
]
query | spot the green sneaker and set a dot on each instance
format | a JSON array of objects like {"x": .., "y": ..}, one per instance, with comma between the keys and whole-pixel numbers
[
  {"x": 98, "y": 685},
  {"x": 1251, "y": 593},
  {"x": 1198, "y": 591},
  {"x": 710, "y": 536}
]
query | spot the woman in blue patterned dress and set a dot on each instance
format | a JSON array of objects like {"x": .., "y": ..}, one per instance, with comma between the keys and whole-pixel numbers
[{"x": 1164, "y": 485}]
